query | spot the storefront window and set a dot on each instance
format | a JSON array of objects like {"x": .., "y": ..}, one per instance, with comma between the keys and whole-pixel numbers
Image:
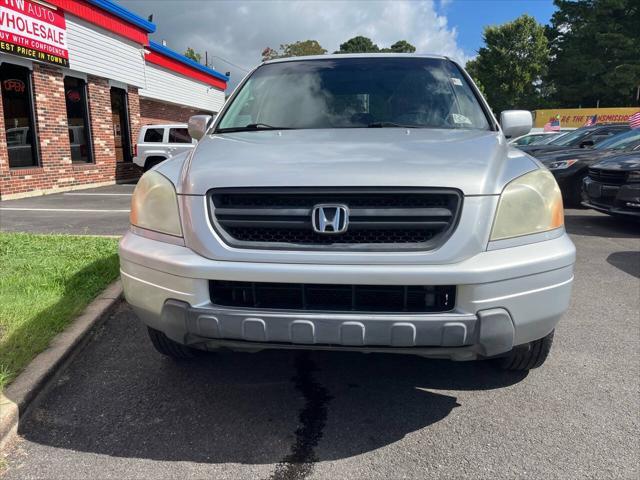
[
  {"x": 75, "y": 92},
  {"x": 19, "y": 119}
]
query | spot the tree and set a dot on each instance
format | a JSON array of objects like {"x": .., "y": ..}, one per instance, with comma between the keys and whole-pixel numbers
[
  {"x": 511, "y": 65},
  {"x": 401, "y": 46},
  {"x": 595, "y": 51},
  {"x": 192, "y": 54},
  {"x": 296, "y": 49},
  {"x": 299, "y": 49},
  {"x": 358, "y": 44},
  {"x": 269, "y": 54}
]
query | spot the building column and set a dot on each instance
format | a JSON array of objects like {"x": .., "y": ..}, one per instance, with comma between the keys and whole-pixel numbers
[{"x": 100, "y": 115}]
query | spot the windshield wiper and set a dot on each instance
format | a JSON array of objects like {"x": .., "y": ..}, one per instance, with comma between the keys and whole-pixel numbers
[
  {"x": 391, "y": 124},
  {"x": 252, "y": 127}
]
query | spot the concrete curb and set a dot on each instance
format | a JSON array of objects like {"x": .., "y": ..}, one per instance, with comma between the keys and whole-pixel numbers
[{"x": 21, "y": 394}]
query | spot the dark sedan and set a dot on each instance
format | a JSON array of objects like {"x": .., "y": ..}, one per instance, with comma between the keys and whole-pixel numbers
[
  {"x": 584, "y": 137},
  {"x": 570, "y": 166},
  {"x": 613, "y": 185}
]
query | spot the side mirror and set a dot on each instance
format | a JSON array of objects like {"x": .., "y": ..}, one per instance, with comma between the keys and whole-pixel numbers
[
  {"x": 587, "y": 144},
  {"x": 515, "y": 123},
  {"x": 198, "y": 125}
]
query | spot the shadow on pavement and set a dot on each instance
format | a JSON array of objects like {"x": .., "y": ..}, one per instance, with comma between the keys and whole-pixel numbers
[
  {"x": 628, "y": 262},
  {"x": 600, "y": 225},
  {"x": 121, "y": 398}
]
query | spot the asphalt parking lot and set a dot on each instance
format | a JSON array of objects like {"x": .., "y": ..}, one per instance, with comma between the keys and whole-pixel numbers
[
  {"x": 94, "y": 211},
  {"x": 122, "y": 411}
]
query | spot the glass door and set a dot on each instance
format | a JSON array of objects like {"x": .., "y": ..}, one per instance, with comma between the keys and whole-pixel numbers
[{"x": 121, "y": 131}]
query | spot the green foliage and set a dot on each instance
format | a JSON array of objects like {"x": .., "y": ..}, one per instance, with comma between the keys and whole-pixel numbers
[
  {"x": 45, "y": 281},
  {"x": 358, "y": 44},
  {"x": 297, "y": 49},
  {"x": 192, "y": 54},
  {"x": 511, "y": 65},
  {"x": 595, "y": 46},
  {"x": 362, "y": 44},
  {"x": 401, "y": 46}
]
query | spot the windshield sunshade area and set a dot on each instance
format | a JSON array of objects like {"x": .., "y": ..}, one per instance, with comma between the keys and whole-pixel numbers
[
  {"x": 355, "y": 93},
  {"x": 570, "y": 138},
  {"x": 620, "y": 141}
]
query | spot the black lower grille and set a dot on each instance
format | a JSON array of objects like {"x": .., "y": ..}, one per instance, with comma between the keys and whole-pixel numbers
[
  {"x": 377, "y": 219},
  {"x": 608, "y": 177},
  {"x": 336, "y": 298}
]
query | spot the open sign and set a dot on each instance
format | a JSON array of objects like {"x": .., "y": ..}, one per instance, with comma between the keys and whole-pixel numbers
[
  {"x": 13, "y": 85},
  {"x": 73, "y": 96}
]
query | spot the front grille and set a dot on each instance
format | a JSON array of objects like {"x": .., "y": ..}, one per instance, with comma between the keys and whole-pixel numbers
[
  {"x": 336, "y": 298},
  {"x": 379, "y": 219},
  {"x": 608, "y": 177}
]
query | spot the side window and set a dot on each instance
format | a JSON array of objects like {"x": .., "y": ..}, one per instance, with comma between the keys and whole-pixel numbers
[
  {"x": 179, "y": 135},
  {"x": 153, "y": 135}
]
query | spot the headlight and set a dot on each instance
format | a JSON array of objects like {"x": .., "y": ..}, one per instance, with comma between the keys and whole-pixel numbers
[
  {"x": 529, "y": 204},
  {"x": 154, "y": 205},
  {"x": 561, "y": 164}
]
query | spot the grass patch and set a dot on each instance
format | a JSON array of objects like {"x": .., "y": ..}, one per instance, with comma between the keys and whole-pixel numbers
[{"x": 46, "y": 281}]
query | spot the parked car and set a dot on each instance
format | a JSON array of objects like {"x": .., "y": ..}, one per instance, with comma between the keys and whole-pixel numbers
[
  {"x": 585, "y": 137},
  {"x": 352, "y": 202},
  {"x": 613, "y": 185},
  {"x": 570, "y": 166},
  {"x": 534, "y": 138},
  {"x": 156, "y": 143}
]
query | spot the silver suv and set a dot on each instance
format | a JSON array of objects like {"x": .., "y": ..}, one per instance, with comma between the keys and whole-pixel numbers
[{"x": 352, "y": 202}]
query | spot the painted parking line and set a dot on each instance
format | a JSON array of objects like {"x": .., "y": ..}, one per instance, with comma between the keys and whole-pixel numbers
[
  {"x": 99, "y": 194},
  {"x": 28, "y": 209}
]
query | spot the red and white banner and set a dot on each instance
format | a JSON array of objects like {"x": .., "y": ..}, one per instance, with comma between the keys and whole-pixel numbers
[{"x": 32, "y": 30}]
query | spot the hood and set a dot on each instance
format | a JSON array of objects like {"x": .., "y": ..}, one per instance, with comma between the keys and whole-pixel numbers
[
  {"x": 585, "y": 155},
  {"x": 475, "y": 161},
  {"x": 624, "y": 162},
  {"x": 539, "y": 150}
]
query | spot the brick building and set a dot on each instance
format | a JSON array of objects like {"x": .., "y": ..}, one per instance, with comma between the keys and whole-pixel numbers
[{"x": 78, "y": 79}]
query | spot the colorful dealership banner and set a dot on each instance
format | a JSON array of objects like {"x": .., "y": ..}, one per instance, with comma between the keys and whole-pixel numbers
[
  {"x": 579, "y": 117},
  {"x": 32, "y": 30}
]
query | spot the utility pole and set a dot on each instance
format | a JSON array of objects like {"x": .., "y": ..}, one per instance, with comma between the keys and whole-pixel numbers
[{"x": 206, "y": 58}]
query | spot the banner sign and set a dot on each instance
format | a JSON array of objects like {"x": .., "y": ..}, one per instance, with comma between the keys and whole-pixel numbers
[
  {"x": 579, "y": 117},
  {"x": 32, "y": 30}
]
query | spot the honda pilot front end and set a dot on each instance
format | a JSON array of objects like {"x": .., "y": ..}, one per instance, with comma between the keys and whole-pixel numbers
[{"x": 352, "y": 202}]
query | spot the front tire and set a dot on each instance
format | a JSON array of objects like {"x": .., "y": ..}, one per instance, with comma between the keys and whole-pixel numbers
[
  {"x": 576, "y": 194},
  {"x": 528, "y": 357},
  {"x": 168, "y": 347}
]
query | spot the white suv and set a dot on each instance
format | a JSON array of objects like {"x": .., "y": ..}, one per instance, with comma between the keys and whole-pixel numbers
[{"x": 156, "y": 143}]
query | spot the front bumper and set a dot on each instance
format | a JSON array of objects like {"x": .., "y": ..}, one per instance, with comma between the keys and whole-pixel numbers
[
  {"x": 613, "y": 199},
  {"x": 505, "y": 298}
]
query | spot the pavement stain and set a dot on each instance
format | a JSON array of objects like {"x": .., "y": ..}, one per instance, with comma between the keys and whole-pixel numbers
[{"x": 312, "y": 418}]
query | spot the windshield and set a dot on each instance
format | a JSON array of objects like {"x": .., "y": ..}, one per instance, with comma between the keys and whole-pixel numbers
[
  {"x": 355, "y": 92},
  {"x": 620, "y": 141},
  {"x": 570, "y": 138},
  {"x": 550, "y": 138}
]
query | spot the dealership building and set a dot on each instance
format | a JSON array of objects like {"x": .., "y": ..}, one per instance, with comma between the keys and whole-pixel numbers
[{"x": 78, "y": 79}]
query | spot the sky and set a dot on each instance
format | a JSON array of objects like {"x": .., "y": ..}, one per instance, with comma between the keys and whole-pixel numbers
[{"x": 235, "y": 32}]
